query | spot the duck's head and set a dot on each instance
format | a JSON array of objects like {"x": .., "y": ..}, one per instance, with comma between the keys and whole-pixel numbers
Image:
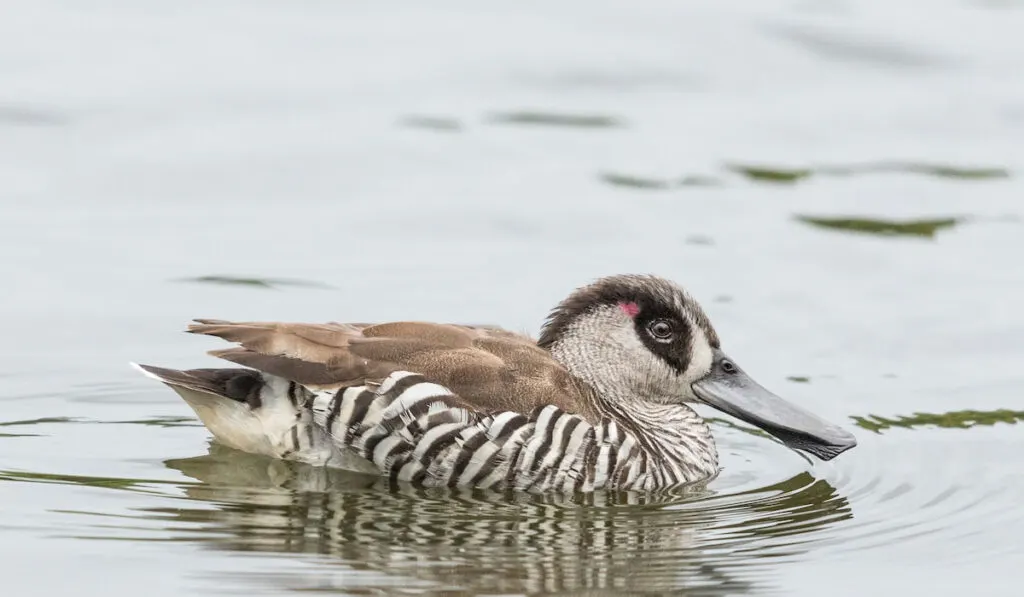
[{"x": 643, "y": 339}]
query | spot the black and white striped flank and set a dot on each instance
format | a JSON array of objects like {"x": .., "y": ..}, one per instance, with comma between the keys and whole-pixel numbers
[{"x": 412, "y": 430}]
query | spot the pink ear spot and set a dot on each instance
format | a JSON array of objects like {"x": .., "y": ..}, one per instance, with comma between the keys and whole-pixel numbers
[{"x": 631, "y": 309}]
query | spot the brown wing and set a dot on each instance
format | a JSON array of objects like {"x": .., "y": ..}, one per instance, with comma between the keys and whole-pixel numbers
[{"x": 491, "y": 369}]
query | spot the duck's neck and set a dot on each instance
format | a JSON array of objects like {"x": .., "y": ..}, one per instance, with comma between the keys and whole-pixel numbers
[
  {"x": 673, "y": 434},
  {"x": 669, "y": 431}
]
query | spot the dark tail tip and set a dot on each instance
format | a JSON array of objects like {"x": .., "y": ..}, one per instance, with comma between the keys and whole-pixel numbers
[{"x": 240, "y": 385}]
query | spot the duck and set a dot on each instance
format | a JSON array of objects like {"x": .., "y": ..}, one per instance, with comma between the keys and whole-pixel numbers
[{"x": 602, "y": 400}]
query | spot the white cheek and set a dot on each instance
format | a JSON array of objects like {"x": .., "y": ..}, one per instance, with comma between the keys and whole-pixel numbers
[{"x": 701, "y": 359}]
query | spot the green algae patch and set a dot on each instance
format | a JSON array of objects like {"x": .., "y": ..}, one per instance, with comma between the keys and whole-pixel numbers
[
  {"x": 636, "y": 182},
  {"x": 771, "y": 174},
  {"x": 922, "y": 168},
  {"x": 781, "y": 175},
  {"x": 645, "y": 183},
  {"x": 961, "y": 419},
  {"x": 923, "y": 228},
  {"x": 41, "y": 421}
]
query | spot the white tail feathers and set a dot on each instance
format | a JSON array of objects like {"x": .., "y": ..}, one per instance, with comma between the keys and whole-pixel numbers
[
  {"x": 258, "y": 413},
  {"x": 232, "y": 423}
]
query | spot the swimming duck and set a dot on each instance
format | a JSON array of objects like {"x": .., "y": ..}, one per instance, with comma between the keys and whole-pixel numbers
[{"x": 601, "y": 400}]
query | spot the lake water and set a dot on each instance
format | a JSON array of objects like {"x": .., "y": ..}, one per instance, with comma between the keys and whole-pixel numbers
[{"x": 839, "y": 182}]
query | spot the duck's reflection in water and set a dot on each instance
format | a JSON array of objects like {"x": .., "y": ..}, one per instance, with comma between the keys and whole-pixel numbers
[{"x": 467, "y": 542}]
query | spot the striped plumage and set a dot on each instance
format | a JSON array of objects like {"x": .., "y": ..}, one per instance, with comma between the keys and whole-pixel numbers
[
  {"x": 412, "y": 430},
  {"x": 598, "y": 403}
]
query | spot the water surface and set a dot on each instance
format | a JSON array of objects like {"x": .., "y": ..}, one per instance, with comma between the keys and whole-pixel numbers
[{"x": 838, "y": 182}]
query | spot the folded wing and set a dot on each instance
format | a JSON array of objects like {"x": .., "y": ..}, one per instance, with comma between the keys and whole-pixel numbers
[{"x": 490, "y": 369}]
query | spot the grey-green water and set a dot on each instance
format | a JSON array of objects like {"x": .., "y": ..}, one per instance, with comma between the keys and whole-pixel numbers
[{"x": 840, "y": 183}]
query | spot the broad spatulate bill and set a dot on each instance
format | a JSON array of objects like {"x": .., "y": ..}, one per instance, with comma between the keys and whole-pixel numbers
[{"x": 601, "y": 400}]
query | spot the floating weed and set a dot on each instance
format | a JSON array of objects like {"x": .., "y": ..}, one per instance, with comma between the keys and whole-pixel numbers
[
  {"x": 555, "y": 119},
  {"x": 268, "y": 283},
  {"x": 635, "y": 182},
  {"x": 780, "y": 175},
  {"x": 769, "y": 174},
  {"x": 88, "y": 481},
  {"x": 657, "y": 184},
  {"x": 926, "y": 228},
  {"x": 939, "y": 170},
  {"x": 41, "y": 421},
  {"x": 799, "y": 379},
  {"x": 961, "y": 419},
  {"x": 434, "y": 123}
]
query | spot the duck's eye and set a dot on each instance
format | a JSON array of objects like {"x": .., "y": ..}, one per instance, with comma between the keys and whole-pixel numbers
[{"x": 660, "y": 329}]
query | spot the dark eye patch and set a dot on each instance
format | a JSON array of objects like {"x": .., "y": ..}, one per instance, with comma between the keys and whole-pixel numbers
[{"x": 675, "y": 349}]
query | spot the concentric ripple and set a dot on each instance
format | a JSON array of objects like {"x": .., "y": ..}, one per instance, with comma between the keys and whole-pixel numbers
[
  {"x": 769, "y": 508},
  {"x": 480, "y": 541}
]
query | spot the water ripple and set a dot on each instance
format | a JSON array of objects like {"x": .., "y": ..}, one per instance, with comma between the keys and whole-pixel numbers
[
  {"x": 768, "y": 508},
  {"x": 693, "y": 538}
]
